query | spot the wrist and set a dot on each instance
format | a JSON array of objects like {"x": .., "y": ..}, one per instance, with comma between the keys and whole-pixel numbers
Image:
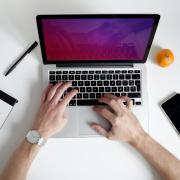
[{"x": 139, "y": 138}]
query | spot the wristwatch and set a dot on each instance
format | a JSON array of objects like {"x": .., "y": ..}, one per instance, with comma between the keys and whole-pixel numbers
[{"x": 34, "y": 137}]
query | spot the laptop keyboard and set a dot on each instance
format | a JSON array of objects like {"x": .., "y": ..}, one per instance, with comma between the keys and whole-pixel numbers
[{"x": 92, "y": 84}]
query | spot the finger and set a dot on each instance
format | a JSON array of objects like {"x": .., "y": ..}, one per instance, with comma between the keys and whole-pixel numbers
[
  {"x": 111, "y": 102},
  {"x": 52, "y": 91},
  {"x": 118, "y": 99},
  {"x": 105, "y": 113},
  {"x": 60, "y": 91},
  {"x": 99, "y": 129},
  {"x": 66, "y": 100},
  {"x": 45, "y": 93},
  {"x": 111, "y": 96},
  {"x": 129, "y": 102}
]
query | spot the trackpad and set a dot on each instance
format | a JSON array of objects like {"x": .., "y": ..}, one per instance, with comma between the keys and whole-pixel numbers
[{"x": 86, "y": 117}]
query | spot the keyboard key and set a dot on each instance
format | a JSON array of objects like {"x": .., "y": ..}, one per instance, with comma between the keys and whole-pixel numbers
[
  {"x": 123, "y": 94},
  {"x": 128, "y": 76},
  {"x": 71, "y": 72},
  {"x": 51, "y": 72},
  {"x": 85, "y": 95},
  {"x": 98, "y": 95},
  {"x": 96, "y": 77},
  {"x": 138, "y": 88},
  {"x": 78, "y": 72},
  {"x": 64, "y": 77},
  {"x": 133, "y": 89},
  {"x": 90, "y": 77},
  {"x": 82, "y": 89},
  {"x": 111, "y": 71},
  {"x": 58, "y": 77},
  {"x": 109, "y": 77},
  {"x": 91, "y": 72},
  {"x": 137, "y": 82},
  {"x": 72, "y": 103},
  {"x": 106, "y": 83},
  {"x": 102, "y": 77},
  {"x": 107, "y": 89},
  {"x": 101, "y": 89},
  {"x": 137, "y": 71},
  {"x": 77, "y": 77},
  {"x": 117, "y": 71},
  {"x": 53, "y": 82},
  {"x": 135, "y": 76},
  {"x": 80, "y": 83},
  {"x": 98, "y": 72},
  {"x": 88, "y": 102},
  {"x": 58, "y": 72},
  {"x": 79, "y": 96},
  {"x": 134, "y": 95},
  {"x": 124, "y": 71},
  {"x": 88, "y": 89},
  {"x": 112, "y": 83},
  {"x": 92, "y": 95},
  {"x": 131, "y": 82},
  {"x": 71, "y": 77},
  {"x": 117, "y": 94},
  {"x": 52, "y": 77},
  {"x": 120, "y": 89},
  {"x": 93, "y": 83},
  {"x": 118, "y": 83},
  {"x": 138, "y": 103},
  {"x": 87, "y": 83},
  {"x": 83, "y": 77},
  {"x": 65, "y": 72},
  {"x": 95, "y": 89},
  {"x": 114, "y": 89},
  {"x": 74, "y": 83},
  {"x": 126, "y": 89},
  {"x": 99, "y": 83},
  {"x": 84, "y": 72},
  {"x": 115, "y": 76},
  {"x": 125, "y": 83},
  {"x": 121, "y": 76},
  {"x": 104, "y": 72},
  {"x": 130, "y": 71}
]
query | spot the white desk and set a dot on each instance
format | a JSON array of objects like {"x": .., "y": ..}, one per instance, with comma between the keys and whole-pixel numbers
[{"x": 94, "y": 158}]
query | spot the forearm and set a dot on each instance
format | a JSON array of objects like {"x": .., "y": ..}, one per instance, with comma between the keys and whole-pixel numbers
[
  {"x": 162, "y": 160},
  {"x": 19, "y": 164}
]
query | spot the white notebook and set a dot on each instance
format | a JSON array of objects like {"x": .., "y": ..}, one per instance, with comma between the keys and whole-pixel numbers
[{"x": 6, "y": 105}]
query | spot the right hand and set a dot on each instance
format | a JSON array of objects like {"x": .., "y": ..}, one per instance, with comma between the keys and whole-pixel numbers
[{"x": 125, "y": 126}]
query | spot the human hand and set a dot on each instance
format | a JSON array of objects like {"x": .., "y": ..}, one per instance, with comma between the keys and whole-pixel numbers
[
  {"x": 125, "y": 126},
  {"x": 51, "y": 117}
]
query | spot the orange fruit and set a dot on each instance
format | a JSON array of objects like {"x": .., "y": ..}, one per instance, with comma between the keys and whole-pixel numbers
[{"x": 165, "y": 57}]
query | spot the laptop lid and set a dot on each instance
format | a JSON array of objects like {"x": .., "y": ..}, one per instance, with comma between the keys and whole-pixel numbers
[{"x": 96, "y": 38}]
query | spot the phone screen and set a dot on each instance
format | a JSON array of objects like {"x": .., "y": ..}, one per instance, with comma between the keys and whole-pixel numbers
[{"x": 172, "y": 109}]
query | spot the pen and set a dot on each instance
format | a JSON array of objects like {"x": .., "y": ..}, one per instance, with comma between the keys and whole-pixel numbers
[{"x": 21, "y": 58}]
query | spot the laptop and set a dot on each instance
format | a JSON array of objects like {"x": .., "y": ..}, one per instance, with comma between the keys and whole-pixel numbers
[{"x": 99, "y": 53}]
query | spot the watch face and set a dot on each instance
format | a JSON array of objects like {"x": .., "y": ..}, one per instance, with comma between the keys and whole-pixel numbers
[{"x": 33, "y": 137}]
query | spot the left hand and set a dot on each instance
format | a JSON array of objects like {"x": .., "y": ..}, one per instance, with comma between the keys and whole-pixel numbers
[{"x": 51, "y": 117}]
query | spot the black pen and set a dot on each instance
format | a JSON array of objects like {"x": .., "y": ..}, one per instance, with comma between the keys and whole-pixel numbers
[{"x": 21, "y": 58}]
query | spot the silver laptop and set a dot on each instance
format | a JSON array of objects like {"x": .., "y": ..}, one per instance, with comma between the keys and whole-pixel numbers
[{"x": 99, "y": 53}]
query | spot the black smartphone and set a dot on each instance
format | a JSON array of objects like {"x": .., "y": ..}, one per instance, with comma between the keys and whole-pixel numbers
[{"x": 172, "y": 109}]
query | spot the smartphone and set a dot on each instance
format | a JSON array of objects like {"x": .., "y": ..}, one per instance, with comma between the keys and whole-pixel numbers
[{"x": 172, "y": 109}]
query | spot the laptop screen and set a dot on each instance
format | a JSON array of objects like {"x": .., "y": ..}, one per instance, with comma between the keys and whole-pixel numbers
[{"x": 96, "y": 39}]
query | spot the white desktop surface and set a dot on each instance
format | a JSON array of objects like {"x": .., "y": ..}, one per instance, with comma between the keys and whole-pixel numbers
[{"x": 86, "y": 158}]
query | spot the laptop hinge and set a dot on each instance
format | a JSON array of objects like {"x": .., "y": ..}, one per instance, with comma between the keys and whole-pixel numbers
[{"x": 95, "y": 65}]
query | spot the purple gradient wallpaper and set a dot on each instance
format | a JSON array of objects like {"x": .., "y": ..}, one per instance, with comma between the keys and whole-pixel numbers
[{"x": 96, "y": 39}]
